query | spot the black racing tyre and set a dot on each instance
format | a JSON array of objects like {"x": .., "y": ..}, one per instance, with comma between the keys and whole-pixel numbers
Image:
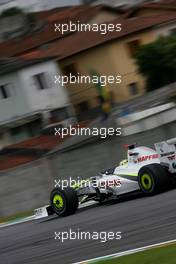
[
  {"x": 153, "y": 179},
  {"x": 64, "y": 202}
]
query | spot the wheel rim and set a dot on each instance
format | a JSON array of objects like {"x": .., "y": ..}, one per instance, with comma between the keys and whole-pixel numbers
[
  {"x": 58, "y": 201},
  {"x": 146, "y": 182}
]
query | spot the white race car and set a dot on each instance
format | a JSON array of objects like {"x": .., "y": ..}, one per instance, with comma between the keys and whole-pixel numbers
[{"x": 147, "y": 170}]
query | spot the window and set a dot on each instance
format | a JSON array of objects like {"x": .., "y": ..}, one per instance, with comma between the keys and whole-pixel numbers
[
  {"x": 59, "y": 115},
  {"x": 133, "y": 88},
  {"x": 70, "y": 69},
  {"x": 83, "y": 106},
  {"x": 83, "y": 111},
  {"x": 41, "y": 81},
  {"x": 6, "y": 91},
  {"x": 18, "y": 134},
  {"x": 133, "y": 46},
  {"x": 173, "y": 32},
  {"x": 25, "y": 131}
]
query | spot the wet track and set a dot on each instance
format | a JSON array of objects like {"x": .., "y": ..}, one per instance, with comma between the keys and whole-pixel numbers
[{"x": 142, "y": 221}]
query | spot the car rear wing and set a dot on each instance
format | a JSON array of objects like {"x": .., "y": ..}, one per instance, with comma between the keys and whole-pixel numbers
[{"x": 167, "y": 153}]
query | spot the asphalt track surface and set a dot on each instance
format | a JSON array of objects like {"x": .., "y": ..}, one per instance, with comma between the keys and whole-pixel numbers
[{"x": 142, "y": 221}]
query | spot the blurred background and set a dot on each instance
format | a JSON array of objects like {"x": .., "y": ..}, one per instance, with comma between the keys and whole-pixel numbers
[{"x": 32, "y": 53}]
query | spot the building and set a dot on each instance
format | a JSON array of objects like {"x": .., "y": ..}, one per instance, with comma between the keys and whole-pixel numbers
[
  {"x": 26, "y": 25},
  {"x": 113, "y": 2},
  {"x": 35, "y": 5},
  {"x": 113, "y": 56},
  {"x": 29, "y": 99},
  {"x": 110, "y": 54}
]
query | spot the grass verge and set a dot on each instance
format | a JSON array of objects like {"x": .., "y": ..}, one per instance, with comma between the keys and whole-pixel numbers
[
  {"x": 15, "y": 216},
  {"x": 160, "y": 255}
]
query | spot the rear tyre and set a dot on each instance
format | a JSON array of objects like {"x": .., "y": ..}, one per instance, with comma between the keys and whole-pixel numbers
[
  {"x": 153, "y": 179},
  {"x": 64, "y": 202}
]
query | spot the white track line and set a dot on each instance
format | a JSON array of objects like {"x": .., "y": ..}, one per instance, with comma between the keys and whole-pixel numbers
[
  {"x": 18, "y": 221},
  {"x": 34, "y": 217},
  {"x": 128, "y": 252}
]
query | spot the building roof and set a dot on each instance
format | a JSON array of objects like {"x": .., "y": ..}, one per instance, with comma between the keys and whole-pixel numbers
[
  {"x": 44, "y": 14},
  {"x": 82, "y": 41},
  {"x": 168, "y": 2},
  {"x": 13, "y": 64},
  {"x": 49, "y": 43},
  {"x": 167, "y": 6},
  {"x": 84, "y": 12},
  {"x": 30, "y": 149},
  {"x": 15, "y": 47}
]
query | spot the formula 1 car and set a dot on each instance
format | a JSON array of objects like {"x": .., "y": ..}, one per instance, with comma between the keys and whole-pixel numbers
[{"x": 146, "y": 170}]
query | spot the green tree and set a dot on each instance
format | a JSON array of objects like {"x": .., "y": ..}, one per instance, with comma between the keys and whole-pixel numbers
[
  {"x": 157, "y": 62},
  {"x": 12, "y": 11}
]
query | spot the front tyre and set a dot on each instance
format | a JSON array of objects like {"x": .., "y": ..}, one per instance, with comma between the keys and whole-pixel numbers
[
  {"x": 153, "y": 179},
  {"x": 64, "y": 202}
]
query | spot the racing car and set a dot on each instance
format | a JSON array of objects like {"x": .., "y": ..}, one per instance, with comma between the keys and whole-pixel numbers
[{"x": 147, "y": 170}]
